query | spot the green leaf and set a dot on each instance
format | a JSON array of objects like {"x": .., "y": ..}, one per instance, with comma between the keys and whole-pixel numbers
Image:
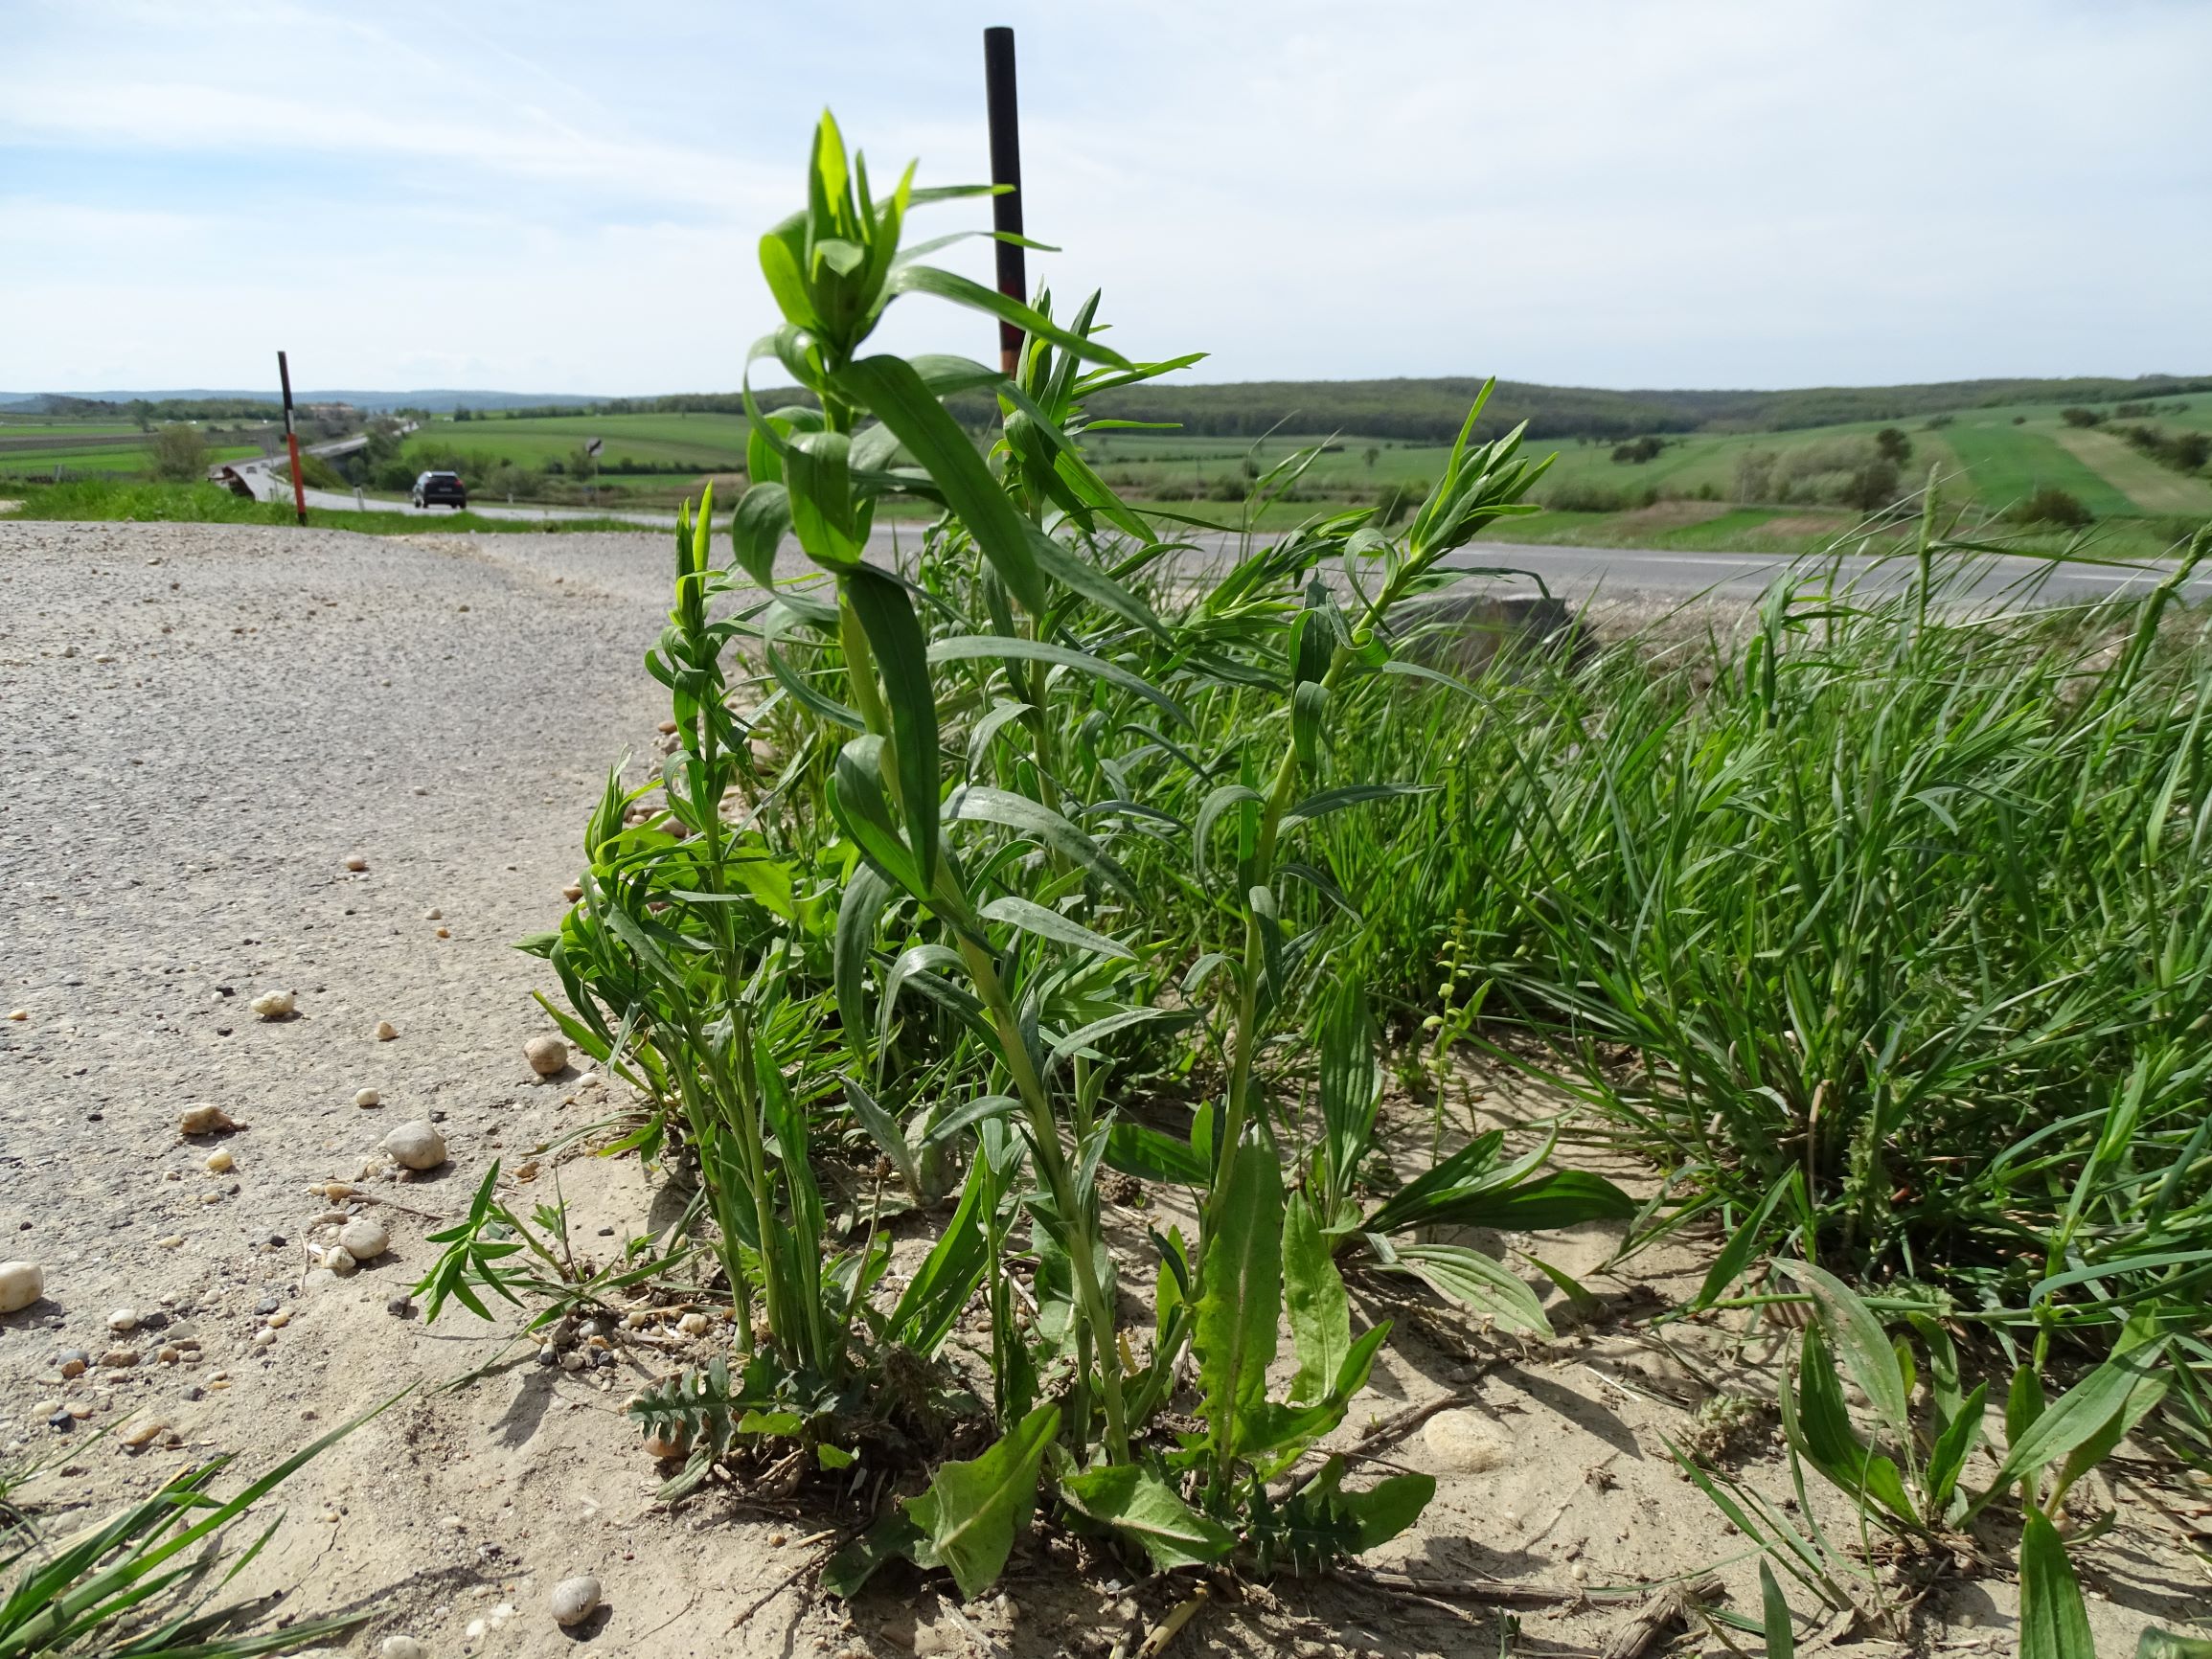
[
  {"x": 1241, "y": 1297},
  {"x": 891, "y": 389},
  {"x": 1330, "y": 801},
  {"x": 930, "y": 1305},
  {"x": 1049, "y": 923},
  {"x": 1351, "y": 1086},
  {"x": 856, "y": 798},
  {"x": 977, "y": 805},
  {"x": 1387, "y": 1509},
  {"x": 866, "y": 894},
  {"x": 887, "y": 617},
  {"x": 1152, "y": 1157},
  {"x": 2054, "y": 1624},
  {"x": 819, "y": 486},
  {"x": 831, "y": 1457},
  {"x": 757, "y": 529},
  {"x": 884, "y": 1130},
  {"x": 893, "y": 1536},
  {"x": 967, "y": 648},
  {"x": 2171, "y": 1645},
  {"x": 1736, "y": 1255},
  {"x": 944, "y": 284},
  {"x": 1818, "y": 1424},
  {"x": 1459, "y": 1174},
  {"x": 1947, "y": 1457},
  {"x": 2118, "y": 1391},
  {"x": 1313, "y": 1291},
  {"x": 974, "y": 1510},
  {"x": 1138, "y": 1503},
  {"x": 1781, "y": 1634},
  {"x": 1472, "y": 1278},
  {"x": 1859, "y": 1337}
]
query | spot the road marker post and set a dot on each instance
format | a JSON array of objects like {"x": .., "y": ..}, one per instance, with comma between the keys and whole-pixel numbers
[
  {"x": 292, "y": 440},
  {"x": 1005, "y": 170}
]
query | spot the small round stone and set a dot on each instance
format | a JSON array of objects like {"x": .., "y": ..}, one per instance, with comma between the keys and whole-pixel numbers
[
  {"x": 399, "y": 1304},
  {"x": 416, "y": 1145},
  {"x": 547, "y": 1054},
  {"x": 386, "y": 1031},
  {"x": 692, "y": 1324},
  {"x": 363, "y": 1239},
  {"x": 21, "y": 1283},
  {"x": 572, "y": 892},
  {"x": 76, "y": 1362},
  {"x": 1466, "y": 1441},
  {"x": 355, "y": 861},
  {"x": 123, "y": 1321},
  {"x": 433, "y": 915},
  {"x": 368, "y": 1098},
  {"x": 341, "y": 1261},
  {"x": 574, "y": 1600},
  {"x": 220, "y": 1164},
  {"x": 273, "y": 1004},
  {"x": 204, "y": 1121}
]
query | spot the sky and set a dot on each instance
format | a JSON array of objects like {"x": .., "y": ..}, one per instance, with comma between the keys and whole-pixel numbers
[{"x": 567, "y": 199}]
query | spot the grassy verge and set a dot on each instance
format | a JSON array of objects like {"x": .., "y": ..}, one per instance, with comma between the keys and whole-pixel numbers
[{"x": 89, "y": 501}]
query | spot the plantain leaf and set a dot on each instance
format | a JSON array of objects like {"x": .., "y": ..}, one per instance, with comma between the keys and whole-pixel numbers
[
  {"x": 1818, "y": 1425},
  {"x": 1242, "y": 1297},
  {"x": 884, "y": 1130},
  {"x": 1320, "y": 1310},
  {"x": 1152, "y": 1157},
  {"x": 1472, "y": 1278},
  {"x": 1137, "y": 1502},
  {"x": 1857, "y": 1335},
  {"x": 2054, "y": 1624},
  {"x": 1781, "y": 1634},
  {"x": 974, "y": 1510}
]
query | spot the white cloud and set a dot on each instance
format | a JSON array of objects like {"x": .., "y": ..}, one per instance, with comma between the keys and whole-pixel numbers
[{"x": 565, "y": 198}]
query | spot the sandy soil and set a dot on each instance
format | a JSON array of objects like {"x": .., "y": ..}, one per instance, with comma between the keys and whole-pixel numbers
[{"x": 202, "y": 724}]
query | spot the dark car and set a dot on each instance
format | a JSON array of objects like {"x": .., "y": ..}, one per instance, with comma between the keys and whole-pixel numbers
[{"x": 434, "y": 487}]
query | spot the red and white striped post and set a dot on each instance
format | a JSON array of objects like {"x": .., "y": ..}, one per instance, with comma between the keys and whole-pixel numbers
[{"x": 292, "y": 440}]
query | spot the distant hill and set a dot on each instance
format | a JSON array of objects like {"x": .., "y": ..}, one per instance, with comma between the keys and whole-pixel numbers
[
  {"x": 1427, "y": 410},
  {"x": 1433, "y": 409}
]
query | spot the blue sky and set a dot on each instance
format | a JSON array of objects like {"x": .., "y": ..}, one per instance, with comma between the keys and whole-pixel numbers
[{"x": 561, "y": 197}]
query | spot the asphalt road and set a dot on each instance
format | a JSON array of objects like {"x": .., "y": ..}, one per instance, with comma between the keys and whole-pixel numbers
[{"x": 1570, "y": 572}]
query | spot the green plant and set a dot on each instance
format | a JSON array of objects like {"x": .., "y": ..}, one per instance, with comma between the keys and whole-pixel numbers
[
  {"x": 2051, "y": 505},
  {"x": 138, "y": 1585}
]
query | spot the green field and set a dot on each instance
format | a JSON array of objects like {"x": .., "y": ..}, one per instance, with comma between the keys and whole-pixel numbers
[{"x": 702, "y": 442}]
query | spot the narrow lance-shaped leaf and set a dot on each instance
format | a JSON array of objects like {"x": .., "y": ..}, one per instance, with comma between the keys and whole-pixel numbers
[{"x": 1241, "y": 1297}]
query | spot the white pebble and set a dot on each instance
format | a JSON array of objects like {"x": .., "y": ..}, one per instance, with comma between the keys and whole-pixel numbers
[
  {"x": 692, "y": 1324},
  {"x": 547, "y": 1054},
  {"x": 368, "y": 1098},
  {"x": 122, "y": 1320},
  {"x": 340, "y": 1260},
  {"x": 21, "y": 1283},
  {"x": 363, "y": 1239},
  {"x": 273, "y": 1004},
  {"x": 574, "y": 1600},
  {"x": 355, "y": 861},
  {"x": 265, "y": 1339},
  {"x": 416, "y": 1145},
  {"x": 1466, "y": 1441},
  {"x": 218, "y": 1163}
]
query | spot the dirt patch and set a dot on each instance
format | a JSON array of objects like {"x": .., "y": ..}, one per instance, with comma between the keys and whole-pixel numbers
[
  {"x": 206, "y": 720},
  {"x": 1669, "y": 516},
  {"x": 1807, "y": 524}
]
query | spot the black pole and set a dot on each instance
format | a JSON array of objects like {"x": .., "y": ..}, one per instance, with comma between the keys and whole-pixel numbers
[{"x": 1005, "y": 170}]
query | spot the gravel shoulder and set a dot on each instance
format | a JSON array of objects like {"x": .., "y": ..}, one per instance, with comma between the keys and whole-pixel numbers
[{"x": 203, "y": 723}]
